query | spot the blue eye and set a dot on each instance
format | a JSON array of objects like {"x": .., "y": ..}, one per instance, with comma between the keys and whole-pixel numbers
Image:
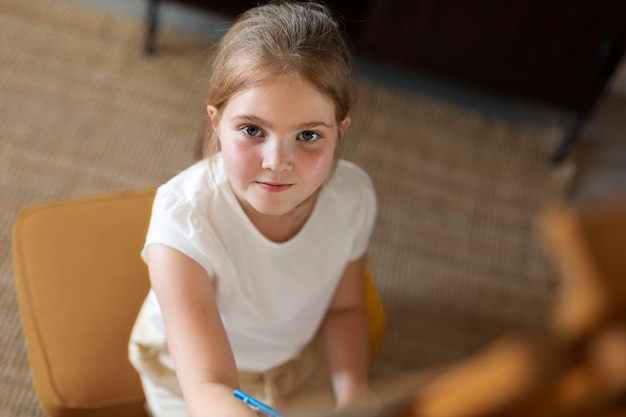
[
  {"x": 308, "y": 136},
  {"x": 252, "y": 131}
]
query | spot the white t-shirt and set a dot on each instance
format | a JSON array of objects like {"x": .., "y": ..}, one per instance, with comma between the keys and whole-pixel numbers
[{"x": 271, "y": 296}]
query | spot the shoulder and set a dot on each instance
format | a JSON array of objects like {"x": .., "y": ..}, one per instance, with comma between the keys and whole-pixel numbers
[
  {"x": 350, "y": 207},
  {"x": 350, "y": 178},
  {"x": 192, "y": 185},
  {"x": 351, "y": 189},
  {"x": 349, "y": 171},
  {"x": 190, "y": 179}
]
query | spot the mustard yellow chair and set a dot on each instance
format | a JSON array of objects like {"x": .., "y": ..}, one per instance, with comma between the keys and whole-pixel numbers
[{"x": 80, "y": 284}]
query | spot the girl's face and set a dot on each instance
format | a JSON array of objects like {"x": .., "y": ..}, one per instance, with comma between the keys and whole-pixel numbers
[{"x": 278, "y": 140}]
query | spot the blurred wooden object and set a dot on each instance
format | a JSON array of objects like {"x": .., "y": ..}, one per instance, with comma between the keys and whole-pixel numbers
[
  {"x": 587, "y": 246},
  {"x": 588, "y": 249},
  {"x": 578, "y": 368},
  {"x": 505, "y": 374}
]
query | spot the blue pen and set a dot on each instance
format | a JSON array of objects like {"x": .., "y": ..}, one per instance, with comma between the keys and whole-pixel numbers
[{"x": 256, "y": 404}]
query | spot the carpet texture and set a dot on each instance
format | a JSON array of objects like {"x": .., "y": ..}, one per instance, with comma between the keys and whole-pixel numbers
[{"x": 83, "y": 111}]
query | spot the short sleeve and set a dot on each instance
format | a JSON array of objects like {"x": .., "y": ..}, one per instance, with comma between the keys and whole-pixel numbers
[
  {"x": 366, "y": 212},
  {"x": 176, "y": 223}
]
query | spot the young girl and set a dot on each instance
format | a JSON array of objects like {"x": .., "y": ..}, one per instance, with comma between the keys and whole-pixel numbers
[{"x": 259, "y": 249}]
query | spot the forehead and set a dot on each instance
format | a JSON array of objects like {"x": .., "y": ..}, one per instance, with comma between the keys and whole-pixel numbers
[{"x": 290, "y": 98}]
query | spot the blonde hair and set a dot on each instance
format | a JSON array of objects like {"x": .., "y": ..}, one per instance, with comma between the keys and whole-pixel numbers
[{"x": 282, "y": 38}]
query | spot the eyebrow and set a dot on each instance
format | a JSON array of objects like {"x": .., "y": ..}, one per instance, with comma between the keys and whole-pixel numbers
[{"x": 250, "y": 118}]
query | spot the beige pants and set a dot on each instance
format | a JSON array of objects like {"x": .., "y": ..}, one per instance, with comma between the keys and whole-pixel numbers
[{"x": 298, "y": 386}]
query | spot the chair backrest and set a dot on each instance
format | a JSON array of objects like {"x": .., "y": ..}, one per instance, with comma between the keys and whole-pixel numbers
[
  {"x": 80, "y": 284},
  {"x": 375, "y": 313}
]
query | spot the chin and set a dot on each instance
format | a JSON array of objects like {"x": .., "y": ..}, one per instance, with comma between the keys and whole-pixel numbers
[{"x": 273, "y": 210}]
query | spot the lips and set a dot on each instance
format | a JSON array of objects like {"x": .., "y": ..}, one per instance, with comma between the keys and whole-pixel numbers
[{"x": 273, "y": 187}]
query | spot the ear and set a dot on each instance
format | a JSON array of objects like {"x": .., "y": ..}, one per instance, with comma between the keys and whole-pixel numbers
[
  {"x": 214, "y": 115},
  {"x": 343, "y": 126}
]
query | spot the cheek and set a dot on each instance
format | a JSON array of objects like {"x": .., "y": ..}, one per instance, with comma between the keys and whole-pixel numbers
[
  {"x": 318, "y": 164},
  {"x": 240, "y": 161}
]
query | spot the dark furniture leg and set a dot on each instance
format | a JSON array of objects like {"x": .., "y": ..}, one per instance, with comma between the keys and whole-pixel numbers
[
  {"x": 152, "y": 17},
  {"x": 568, "y": 141}
]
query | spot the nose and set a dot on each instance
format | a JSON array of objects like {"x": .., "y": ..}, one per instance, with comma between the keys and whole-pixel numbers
[{"x": 278, "y": 155}]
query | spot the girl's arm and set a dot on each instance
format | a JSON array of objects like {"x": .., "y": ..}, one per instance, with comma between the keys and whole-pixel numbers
[
  {"x": 197, "y": 341},
  {"x": 345, "y": 334}
]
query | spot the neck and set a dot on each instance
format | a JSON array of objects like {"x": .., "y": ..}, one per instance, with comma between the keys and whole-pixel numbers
[{"x": 282, "y": 228}]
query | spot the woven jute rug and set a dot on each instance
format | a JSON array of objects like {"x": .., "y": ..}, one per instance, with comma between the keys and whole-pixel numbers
[{"x": 83, "y": 111}]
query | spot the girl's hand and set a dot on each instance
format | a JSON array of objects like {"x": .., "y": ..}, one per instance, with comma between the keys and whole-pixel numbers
[
  {"x": 365, "y": 401},
  {"x": 363, "y": 397}
]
